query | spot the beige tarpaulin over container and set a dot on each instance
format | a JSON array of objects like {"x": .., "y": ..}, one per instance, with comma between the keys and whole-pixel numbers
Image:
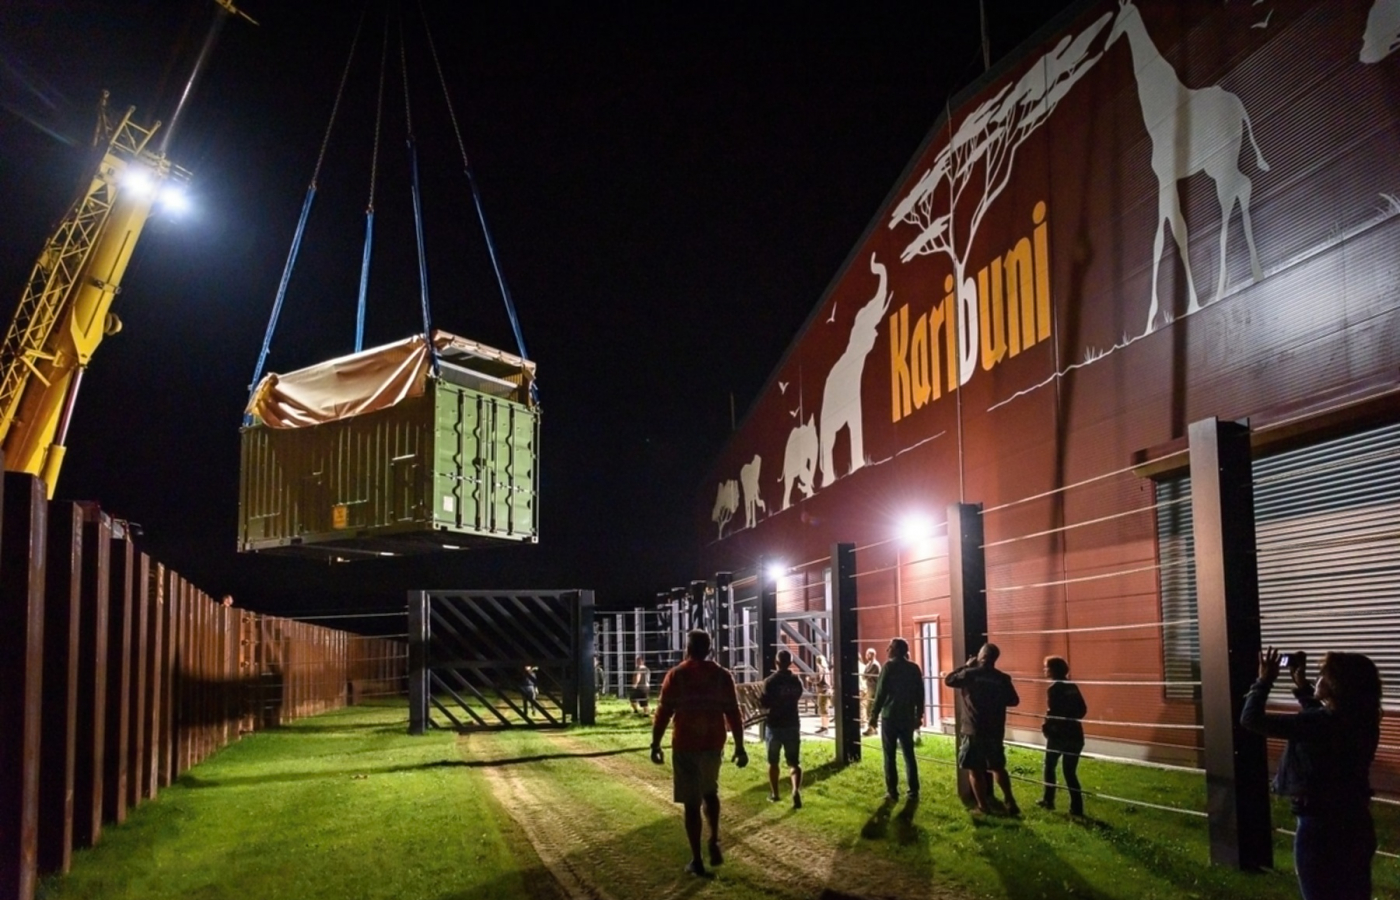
[{"x": 383, "y": 377}]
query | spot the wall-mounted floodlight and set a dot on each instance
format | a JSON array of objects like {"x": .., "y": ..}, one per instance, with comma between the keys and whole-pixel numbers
[
  {"x": 776, "y": 571},
  {"x": 915, "y": 528}
]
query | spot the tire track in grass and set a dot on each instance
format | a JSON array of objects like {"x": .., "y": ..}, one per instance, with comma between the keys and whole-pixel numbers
[
  {"x": 568, "y": 837},
  {"x": 796, "y": 864}
]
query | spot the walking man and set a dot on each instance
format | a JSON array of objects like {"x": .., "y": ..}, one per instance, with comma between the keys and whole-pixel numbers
[
  {"x": 782, "y": 691},
  {"x": 869, "y": 683},
  {"x": 641, "y": 687},
  {"x": 700, "y": 696},
  {"x": 986, "y": 693},
  {"x": 899, "y": 709}
]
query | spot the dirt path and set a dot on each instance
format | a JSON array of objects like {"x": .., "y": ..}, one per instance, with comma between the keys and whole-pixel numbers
[{"x": 591, "y": 860}]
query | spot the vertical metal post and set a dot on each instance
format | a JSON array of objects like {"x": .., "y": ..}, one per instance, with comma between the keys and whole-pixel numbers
[
  {"x": 25, "y": 505},
  {"x": 724, "y": 616},
  {"x": 1227, "y": 599},
  {"x": 847, "y": 654},
  {"x": 588, "y": 647},
  {"x": 967, "y": 576},
  {"x": 419, "y": 688},
  {"x": 767, "y": 622},
  {"x": 639, "y": 639}
]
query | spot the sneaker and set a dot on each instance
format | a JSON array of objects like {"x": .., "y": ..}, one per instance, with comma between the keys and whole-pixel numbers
[
  {"x": 891, "y": 798},
  {"x": 821, "y": 730},
  {"x": 772, "y": 798},
  {"x": 1012, "y": 809},
  {"x": 797, "y": 800},
  {"x": 716, "y": 857},
  {"x": 697, "y": 868},
  {"x": 1045, "y": 804},
  {"x": 912, "y": 795}
]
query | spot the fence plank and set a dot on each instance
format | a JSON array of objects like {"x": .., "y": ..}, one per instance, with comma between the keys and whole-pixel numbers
[
  {"x": 62, "y": 599},
  {"x": 25, "y": 507}
]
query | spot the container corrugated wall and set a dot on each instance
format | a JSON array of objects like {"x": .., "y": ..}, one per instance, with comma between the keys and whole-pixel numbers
[{"x": 449, "y": 469}]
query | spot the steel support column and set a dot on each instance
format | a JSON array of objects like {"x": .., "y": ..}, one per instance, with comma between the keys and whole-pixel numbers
[
  {"x": 419, "y": 689},
  {"x": 1227, "y": 603},
  {"x": 967, "y": 577},
  {"x": 846, "y": 653},
  {"x": 767, "y": 622},
  {"x": 586, "y": 708}
]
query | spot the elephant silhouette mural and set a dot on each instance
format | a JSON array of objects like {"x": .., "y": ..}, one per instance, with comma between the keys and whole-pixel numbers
[
  {"x": 841, "y": 407},
  {"x": 800, "y": 461},
  {"x": 726, "y": 504},
  {"x": 748, "y": 480}
]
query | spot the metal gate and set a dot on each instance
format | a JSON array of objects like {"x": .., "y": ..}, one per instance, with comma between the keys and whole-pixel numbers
[{"x": 500, "y": 659}]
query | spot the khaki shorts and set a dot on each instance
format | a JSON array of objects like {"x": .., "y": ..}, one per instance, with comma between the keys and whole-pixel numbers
[{"x": 695, "y": 774}]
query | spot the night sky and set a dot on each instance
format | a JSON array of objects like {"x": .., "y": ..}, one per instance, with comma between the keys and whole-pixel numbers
[{"x": 671, "y": 188}]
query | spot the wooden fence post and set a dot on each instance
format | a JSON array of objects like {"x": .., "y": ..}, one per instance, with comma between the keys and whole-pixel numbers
[{"x": 22, "y": 546}]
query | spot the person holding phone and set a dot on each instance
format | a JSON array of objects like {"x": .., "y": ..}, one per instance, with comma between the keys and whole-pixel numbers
[{"x": 1326, "y": 766}]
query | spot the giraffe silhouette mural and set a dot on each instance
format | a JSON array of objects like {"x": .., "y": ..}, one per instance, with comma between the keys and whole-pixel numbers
[
  {"x": 1192, "y": 130},
  {"x": 841, "y": 407}
]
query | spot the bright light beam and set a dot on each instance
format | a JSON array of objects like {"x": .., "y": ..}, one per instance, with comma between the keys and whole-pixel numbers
[{"x": 174, "y": 199}]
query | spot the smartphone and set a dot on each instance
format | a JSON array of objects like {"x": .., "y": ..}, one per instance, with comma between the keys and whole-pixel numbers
[{"x": 1292, "y": 660}]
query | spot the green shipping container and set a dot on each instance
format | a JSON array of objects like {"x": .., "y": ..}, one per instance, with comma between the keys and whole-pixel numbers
[{"x": 456, "y": 467}]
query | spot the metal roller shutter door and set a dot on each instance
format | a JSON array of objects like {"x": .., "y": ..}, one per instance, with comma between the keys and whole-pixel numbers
[{"x": 1328, "y": 535}]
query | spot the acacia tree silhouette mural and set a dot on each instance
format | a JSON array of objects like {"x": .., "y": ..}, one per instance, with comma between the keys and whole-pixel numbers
[{"x": 976, "y": 166}]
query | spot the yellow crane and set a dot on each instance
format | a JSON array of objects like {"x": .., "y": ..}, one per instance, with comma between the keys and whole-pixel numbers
[{"x": 66, "y": 308}]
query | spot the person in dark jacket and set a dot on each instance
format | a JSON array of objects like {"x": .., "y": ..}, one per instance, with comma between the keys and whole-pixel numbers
[
  {"x": 1064, "y": 736},
  {"x": 986, "y": 694},
  {"x": 782, "y": 691},
  {"x": 1325, "y": 767},
  {"x": 899, "y": 709}
]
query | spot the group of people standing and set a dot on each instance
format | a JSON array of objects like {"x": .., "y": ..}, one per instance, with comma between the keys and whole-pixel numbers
[
  {"x": 1325, "y": 767},
  {"x": 896, "y": 707}
]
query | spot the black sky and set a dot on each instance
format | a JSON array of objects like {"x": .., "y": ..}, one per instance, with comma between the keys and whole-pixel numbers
[{"x": 671, "y": 188}]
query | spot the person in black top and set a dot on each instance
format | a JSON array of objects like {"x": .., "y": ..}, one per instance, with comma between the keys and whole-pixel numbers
[
  {"x": 899, "y": 709},
  {"x": 986, "y": 694},
  {"x": 1064, "y": 736},
  {"x": 782, "y": 691},
  {"x": 1325, "y": 767}
]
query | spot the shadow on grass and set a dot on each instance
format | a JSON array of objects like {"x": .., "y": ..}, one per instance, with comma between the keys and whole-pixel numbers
[
  {"x": 1032, "y": 870},
  {"x": 194, "y": 781}
]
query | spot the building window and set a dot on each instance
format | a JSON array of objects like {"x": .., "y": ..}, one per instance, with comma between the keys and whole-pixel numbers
[{"x": 1176, "y": 554}]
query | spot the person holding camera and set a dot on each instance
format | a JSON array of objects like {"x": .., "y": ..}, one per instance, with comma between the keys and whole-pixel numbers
[
  {"x": 986, "y": 693},
  {"x": 1326, "y": 766},
  {"x": 699, "y": 694}
]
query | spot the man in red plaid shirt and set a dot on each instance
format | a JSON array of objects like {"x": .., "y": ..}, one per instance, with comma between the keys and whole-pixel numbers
[{"x": 699, "y": 695}]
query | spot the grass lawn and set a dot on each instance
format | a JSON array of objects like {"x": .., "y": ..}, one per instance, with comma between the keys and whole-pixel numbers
[
  {"x": 346, "y": 805},
  {"x": 343, "y": 805}
]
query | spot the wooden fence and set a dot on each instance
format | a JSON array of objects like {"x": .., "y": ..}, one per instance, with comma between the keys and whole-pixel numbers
[{"x": 117, "y": 674}]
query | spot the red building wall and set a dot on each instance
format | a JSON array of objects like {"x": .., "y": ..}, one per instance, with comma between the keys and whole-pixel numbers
[{"x": 1039, "y": 200}]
